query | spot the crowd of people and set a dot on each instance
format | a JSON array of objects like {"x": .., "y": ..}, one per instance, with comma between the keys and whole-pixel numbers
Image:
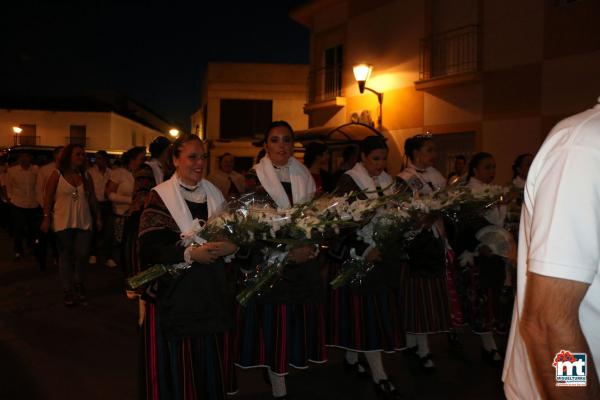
[{"x": 192, "y": 331}]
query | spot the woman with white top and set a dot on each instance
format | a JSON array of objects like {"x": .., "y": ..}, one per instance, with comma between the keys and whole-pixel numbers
[
  {"x": 119, "y": 191},
  {"x": 70, "y": 204},
  {"x": 424, "y": 291}
]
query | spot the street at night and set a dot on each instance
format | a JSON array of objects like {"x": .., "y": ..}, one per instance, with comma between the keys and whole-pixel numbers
[{"x": 52, "y": 352}]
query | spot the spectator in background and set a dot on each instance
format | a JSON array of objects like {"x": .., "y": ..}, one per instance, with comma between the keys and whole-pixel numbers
[
  {"x": 520, "y": 169},
  {"x": 458, "y": 175},
  {"x": 350, "y": 157},
  {"x": 229, "y": 182},
  {"x": 4, "y": 205},
  {"x": 316, "y": 159},
  {"x": 20, "y": 188},
  {"x": 119, "y": 191},
  {"x": 159, "y": 158},
  {"x": 40, "y": 187},
  {"x": 70, "y": 197},
  {"x": 100, "y": 175}
]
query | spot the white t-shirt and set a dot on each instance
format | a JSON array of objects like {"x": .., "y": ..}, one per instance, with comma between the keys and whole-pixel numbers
[
  {"x": 560, "y": 235},
  {"x": 125, "y": 181}
]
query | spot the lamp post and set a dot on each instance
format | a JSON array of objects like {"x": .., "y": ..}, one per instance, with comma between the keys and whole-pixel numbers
[
  {"x": 174, "y": 132},
  {"x": 362, "y": 73},
  {"x": 17, "y": 130}
]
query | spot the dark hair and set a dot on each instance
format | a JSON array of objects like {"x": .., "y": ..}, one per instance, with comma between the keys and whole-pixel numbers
[
  {"x": 517, "y": 164},
  {"x": 181, "y": 141},
  {"x": 64, "y": 160},
  {"x": 313, "y": 150},
  {"x": 222, "y": 156},
  {"x": 415, "y": 143},
  {"x": 158, "y": 145},
  {"x": 460, "y": 157},
  {"x": 475, "y": 161},
  {"x": 349, "y": 152},
  {"x": 372, "y": 143},
  {"x": 131, "y": 154},
  {"x": 276, "y": 124},
  {"x": 102, "y": 153},
  {"x": 260, "y": 155}
]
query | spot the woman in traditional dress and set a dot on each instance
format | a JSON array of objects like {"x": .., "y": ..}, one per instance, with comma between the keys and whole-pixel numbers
[
  {"x": 424, "y": 292},
  {"x": 286, "y": 325},
  {"x": 186, "y": 316},
  {"x": 366, "y": 319},
  {"x": 486, "y": 289}
]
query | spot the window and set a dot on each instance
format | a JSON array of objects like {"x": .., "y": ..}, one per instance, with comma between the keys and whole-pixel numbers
[
  {"x": 77, "y": 135},
  {"x": 245, "y": 118},
  {"x": 333, "y": 71}
]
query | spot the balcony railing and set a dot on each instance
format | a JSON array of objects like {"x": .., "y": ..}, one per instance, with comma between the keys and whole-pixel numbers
[
  {"x": 450, "y": 53},
  {"x": 324, "y": 84},
  {"x": 26, "y": 140},
  {"x": 82, "y": 141}
]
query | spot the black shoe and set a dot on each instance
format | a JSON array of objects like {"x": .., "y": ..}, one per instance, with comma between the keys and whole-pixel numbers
[
  {"x": 68, "y": 300},
  {"x": 386, "y": 390},
  {"x": 492, "y": 356},
  {"x": 357, "y": 368},
  {"x": 80, "y": 295}
]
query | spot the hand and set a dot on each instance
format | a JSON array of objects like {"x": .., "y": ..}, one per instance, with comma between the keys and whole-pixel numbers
[
  {"x": 373, "y": 255},
  {"x": 222, "y": 249},
  {"x": 203, "y": 254},
  {"x": 45, "y": 227},
  {"x": 300, "y": 255}
]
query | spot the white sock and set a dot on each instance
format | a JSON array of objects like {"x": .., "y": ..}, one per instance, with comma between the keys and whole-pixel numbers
[
  {"x": 411, "y": 340},
  {"x": 376, "y": 365},
  {"x": 423, "y": 343},
  {"x": 277, "y": 384},
  {"x": 351, "y": 357}
]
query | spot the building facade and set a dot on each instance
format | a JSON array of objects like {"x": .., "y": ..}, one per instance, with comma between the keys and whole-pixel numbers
[
  {"x": 481, "y": 75},
  {"x": 239, "y": 100},
  {"x": 95, "y": 124}
]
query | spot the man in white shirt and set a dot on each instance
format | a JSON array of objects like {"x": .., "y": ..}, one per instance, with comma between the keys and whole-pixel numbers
[
  {"x": 229, "y": 182},
  {"x": 44, "y": 173},
  {"x": 100, "y": 174},
  {"x": 20, "y": 188},
  {"x": 558, "y": 299}
]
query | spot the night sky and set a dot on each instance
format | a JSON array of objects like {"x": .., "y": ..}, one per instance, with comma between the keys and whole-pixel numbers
[{"x": 155, "y": 52}]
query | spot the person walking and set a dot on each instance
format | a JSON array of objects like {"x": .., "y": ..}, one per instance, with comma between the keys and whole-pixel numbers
[
  {"x": 24, "y": 207},
  {"x": 69, "y": 206}
]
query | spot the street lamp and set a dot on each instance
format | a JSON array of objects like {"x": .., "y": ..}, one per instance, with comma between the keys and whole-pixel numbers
[
  {"x": 362, "y": 73},
  {"x": 17, "y": 130},
  {"x": 174, "y": 132}
]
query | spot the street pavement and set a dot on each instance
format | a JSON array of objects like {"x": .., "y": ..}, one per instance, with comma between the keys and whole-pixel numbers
[{"x": 51, "y": 352}]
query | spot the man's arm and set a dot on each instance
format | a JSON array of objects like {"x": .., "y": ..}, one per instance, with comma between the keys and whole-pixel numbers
[{"x": 549, "y": 324}]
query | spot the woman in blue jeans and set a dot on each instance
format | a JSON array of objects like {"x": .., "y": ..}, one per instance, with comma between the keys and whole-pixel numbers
[{"x": 69, "y": 204}]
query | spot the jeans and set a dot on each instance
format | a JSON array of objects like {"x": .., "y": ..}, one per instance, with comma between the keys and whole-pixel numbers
[
  {"x": 26, "y": 223},
  {"x": 73, "y": 254}
]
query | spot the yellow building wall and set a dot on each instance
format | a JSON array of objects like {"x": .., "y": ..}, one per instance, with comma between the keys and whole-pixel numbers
[
  {"x": 125, "y": 133},
  {"x": 53, "y": 127}
]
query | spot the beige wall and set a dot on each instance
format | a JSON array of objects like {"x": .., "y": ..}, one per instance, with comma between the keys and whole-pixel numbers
[
  {"x": 104, "y": 130},
  {"x": 532, "y": 75}
]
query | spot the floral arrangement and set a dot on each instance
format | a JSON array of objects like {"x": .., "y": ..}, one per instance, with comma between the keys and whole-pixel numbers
[{"x": 383, "y": 222}]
